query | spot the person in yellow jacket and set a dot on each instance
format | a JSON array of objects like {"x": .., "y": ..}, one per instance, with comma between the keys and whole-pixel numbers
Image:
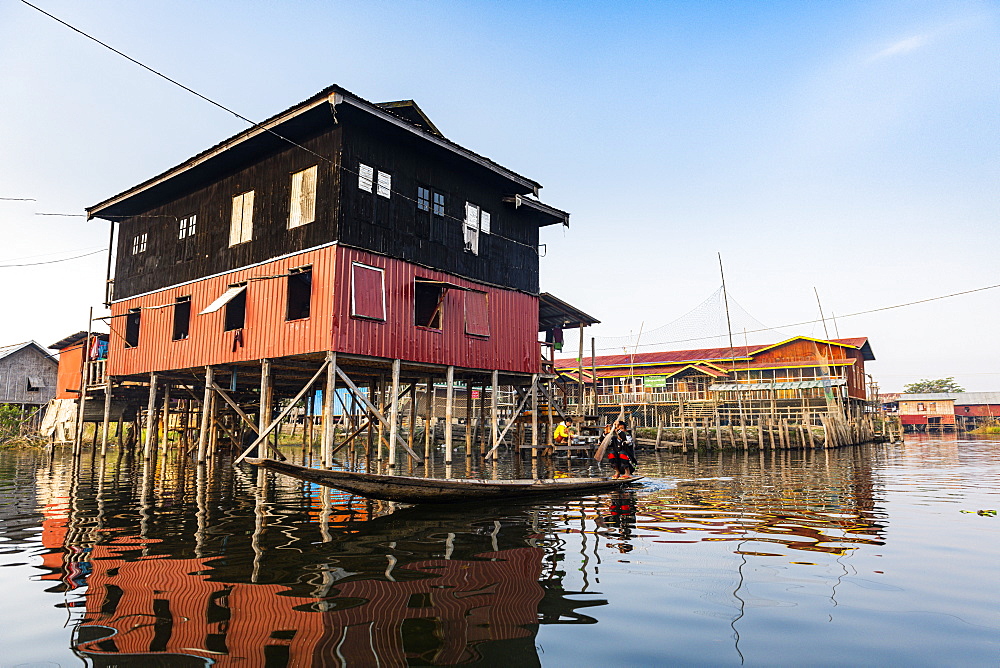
[{"x": 563, "y": 435}]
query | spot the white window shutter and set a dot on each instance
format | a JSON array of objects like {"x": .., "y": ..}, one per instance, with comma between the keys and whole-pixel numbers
[
  {"x": 484, "y": 222},
  {"x": 384, "y": 185},
  {"x": 365, "y": 177},
  {"x": 308, "y": 195}
]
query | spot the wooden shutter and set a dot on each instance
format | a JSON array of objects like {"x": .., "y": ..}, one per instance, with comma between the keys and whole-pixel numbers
[
  {"x": 367, "y": 292},
  {"x": 477, "y": 313},
  {"x": 302, "y": 207}
]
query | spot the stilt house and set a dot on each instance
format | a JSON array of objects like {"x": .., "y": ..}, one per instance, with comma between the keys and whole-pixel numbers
[
  {"x": 340, "y": 235},
  {"x": 799, "y": 379}
]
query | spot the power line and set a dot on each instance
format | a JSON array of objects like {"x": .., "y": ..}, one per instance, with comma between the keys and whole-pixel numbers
[
  {"x": 18, "y": 199},
  {"x": 65, "y": 259},
  {"x": 811, "y": 322},
  {"x": 62, "y": 252},
  {"x": 242, "y": 118}
]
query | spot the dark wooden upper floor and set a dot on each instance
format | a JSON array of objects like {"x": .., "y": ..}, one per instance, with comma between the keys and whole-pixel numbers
[{"x": 331, "y": 169}]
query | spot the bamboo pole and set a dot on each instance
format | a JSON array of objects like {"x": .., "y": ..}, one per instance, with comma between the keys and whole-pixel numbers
[{"x": 494, "y": 417}]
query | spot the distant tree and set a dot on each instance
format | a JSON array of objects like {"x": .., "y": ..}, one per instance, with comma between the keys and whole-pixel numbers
[{"x": 938, "y": 385}]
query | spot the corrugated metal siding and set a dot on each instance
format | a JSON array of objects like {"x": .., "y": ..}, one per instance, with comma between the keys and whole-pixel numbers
[
  {"x": 513, "y": 316},
  {"x": 265, "y": 334}
]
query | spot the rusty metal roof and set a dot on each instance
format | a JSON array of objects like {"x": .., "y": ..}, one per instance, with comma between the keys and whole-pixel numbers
[{"x": 705, "y": 354}]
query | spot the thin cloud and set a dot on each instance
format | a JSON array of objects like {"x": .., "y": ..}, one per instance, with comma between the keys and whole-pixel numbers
[{"x": 902, "y": 46}]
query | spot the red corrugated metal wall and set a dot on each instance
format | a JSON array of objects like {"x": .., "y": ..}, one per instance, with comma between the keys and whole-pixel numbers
[
  {"x": 513, "y": 321},
  {"x": 266, "y": 333}
]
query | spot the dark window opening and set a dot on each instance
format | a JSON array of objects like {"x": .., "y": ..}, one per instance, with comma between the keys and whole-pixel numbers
[
  {"x": 299, "y": 293},
  {"x": 182, "y": 318},
  {"x": 236, "y": 311},
  {"x": 428, "y": 300},
  {"x": 132, "y": 327}
]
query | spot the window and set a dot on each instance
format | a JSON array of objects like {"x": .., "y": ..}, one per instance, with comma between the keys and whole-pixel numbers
[
  {"x": 302, "y": 209},
  {"x": 182, "y": 318},
  {"x": 439, "y": 204},
  {"x": 384, "y": 185},
  {"x": 132, "y": 321},
  {"x": 428, "y": 303},
  {"x": 35, "y": 383},
  {"x": 365, "y": 177},
  {"x": 241, "y": 224},
  {"x": 236, "y": 310},
  {"x": 186, "y": 227},
  {"x": 476, "y": 220},
  {"x": 299, "y": 293},
  {"x": 367, "y": 292},
  {"x": 423, "y": 199},
  {"x": 477, "y": 313},
  {"x": 920, "y": 406},
  {"x": 139, "y": 244},
  {"x": 471, "y": 228}
]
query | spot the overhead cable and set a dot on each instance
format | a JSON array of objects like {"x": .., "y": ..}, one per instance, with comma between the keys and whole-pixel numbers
[{"x": 243, "y": 118}]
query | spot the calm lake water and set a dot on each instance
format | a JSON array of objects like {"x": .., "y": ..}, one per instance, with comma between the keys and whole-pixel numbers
[{"x": 861, "y": 556}]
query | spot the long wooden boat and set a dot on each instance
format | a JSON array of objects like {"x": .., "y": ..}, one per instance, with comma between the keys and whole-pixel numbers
[{"x": 408, "y": 489}]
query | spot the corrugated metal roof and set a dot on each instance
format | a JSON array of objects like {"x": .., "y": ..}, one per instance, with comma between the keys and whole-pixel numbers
[
  {"x": 960, "y": 398},
  {"x": 698, "y": 354},
  {"x": 14, "y": 347}
]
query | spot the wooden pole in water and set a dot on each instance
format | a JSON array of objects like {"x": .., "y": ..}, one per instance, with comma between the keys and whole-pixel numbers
[
  {"x": 394, "y": 415},
  {"x": 449, "y": 408},
  {"x": 106, "y": 422},
  {"x": 494, "y": 417},
  {"x": 328, "y": 435},
  {"x": 468, "y": 418},
  {"x": 430, "y": 419},
  {"x": 147, "y": 446},
  {"x": 165, "y": 442},
  {"x": 534, "y": 420},
  {"x": 206, "y": 415},
  {"x": 412, "y": 424}
]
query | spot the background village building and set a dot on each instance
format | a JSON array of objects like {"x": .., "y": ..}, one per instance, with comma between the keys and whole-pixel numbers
[
  {"x": 27, "y": 383},
  {"x": 948, "y": 411},
  {"x": 340, "y": 243},
  {"x": 799, "y": 379}
]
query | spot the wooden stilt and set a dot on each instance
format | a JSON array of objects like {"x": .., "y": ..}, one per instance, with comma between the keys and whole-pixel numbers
[
  {"x": 394, "y": 415},
  {"x": 105, "y": 422},
  {"x": 206, "y": 416},
  {"x": 534, "y": 422},
  {"x": 429, "y": 420},
  {"x": 329, "y": 393},
  {"x": 449, "y": 407},
  {"x": 468, "y": 419},
  {"x": 147, "y": 447},
  {"x": 411, "y": 425},
  {"x": 494, "y": 417},
  {"x": 164, "y": 442}
]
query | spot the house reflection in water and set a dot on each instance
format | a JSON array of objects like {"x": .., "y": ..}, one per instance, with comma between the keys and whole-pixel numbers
[{"x": 409, "y": 588}]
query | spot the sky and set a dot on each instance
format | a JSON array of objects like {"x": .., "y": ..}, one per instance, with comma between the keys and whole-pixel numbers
[{"x": 845, "y": 150}]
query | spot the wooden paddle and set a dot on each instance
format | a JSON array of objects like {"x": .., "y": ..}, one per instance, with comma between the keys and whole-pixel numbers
[{"x": 599, "y": 455}]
